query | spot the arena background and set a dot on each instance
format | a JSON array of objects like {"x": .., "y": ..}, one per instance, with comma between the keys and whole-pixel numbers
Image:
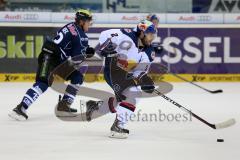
[
  {"x": 200, "y": 39},
  {"x": 200, "y": 46}
]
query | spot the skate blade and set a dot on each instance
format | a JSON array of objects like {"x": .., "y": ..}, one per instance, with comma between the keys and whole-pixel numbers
[
  {"x": 118, "y": 135},
  {"x": 65, "y": 114},
  {"x": 16, "y": 116}
]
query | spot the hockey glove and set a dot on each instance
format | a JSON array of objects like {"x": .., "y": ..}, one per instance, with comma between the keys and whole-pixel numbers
[
  {"x": 109, "y": 50},
  {"x": 148, "y": 88},
  {"x": 158, "y": 48},
  {"x": 75, "y": 62},
  {"x": 90, "y": 52},
  {"x": 146, "y": 83}
]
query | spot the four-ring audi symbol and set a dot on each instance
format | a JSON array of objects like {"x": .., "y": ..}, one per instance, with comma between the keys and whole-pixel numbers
[
  {"x": 30, "y": 17},
  {"x": 204, "y": 18}
]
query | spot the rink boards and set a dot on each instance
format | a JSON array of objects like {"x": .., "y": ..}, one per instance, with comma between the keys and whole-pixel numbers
[
  {"x": 198, "y": 52},
  {"x": 30, "y": 77}
]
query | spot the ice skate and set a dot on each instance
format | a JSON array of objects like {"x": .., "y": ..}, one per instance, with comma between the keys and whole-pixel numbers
[
  {"x": 18, "y": 113},
  {"x": 63, "y": 109},
  {"x": 117, "y": 131},
  {"x": 91, "y": 107}
]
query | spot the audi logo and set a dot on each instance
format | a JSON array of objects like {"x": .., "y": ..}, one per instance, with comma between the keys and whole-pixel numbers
[
  {"x": 30, "y": 17},
  {"x": 204, "y": 18}
]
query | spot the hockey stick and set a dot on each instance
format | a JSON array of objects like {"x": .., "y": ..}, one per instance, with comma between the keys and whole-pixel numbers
[
  {"x": 221, "y": 125},
  {"x": 210, "y": 91}
]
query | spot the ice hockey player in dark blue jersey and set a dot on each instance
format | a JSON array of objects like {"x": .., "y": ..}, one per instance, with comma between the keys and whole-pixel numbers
[{"x": 70, "y": 41}]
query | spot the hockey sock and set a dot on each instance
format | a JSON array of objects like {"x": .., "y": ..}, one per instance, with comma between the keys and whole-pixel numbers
[
  {"x": 33, "y": 93},
  {"x": 70, "y": 93},
  {"x": 124, "y": 112}
]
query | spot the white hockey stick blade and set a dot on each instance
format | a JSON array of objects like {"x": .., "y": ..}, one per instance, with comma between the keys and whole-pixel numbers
[{"x": 226, "y": 124}]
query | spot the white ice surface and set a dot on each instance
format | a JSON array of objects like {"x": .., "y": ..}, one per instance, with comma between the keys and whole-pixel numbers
[{"x": 43, "y": 136}]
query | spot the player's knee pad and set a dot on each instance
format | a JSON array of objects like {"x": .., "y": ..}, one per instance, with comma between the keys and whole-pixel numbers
[
  {"x": 76, "y": 78},
  {"x": 41, "y": 86},
  {"x": 72, "y": 89}
]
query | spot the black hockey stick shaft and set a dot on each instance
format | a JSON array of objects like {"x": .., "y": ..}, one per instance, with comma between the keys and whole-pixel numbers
[
  {"x": 210, "y": 91},
  {"x": 214, "y": 91},
  {"x": 176, "y": 75},
  {"x": 185, "y": 109}
]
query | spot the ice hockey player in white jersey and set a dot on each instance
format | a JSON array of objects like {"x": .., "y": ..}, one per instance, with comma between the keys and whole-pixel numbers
[{"x": 125, "y": 70}]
